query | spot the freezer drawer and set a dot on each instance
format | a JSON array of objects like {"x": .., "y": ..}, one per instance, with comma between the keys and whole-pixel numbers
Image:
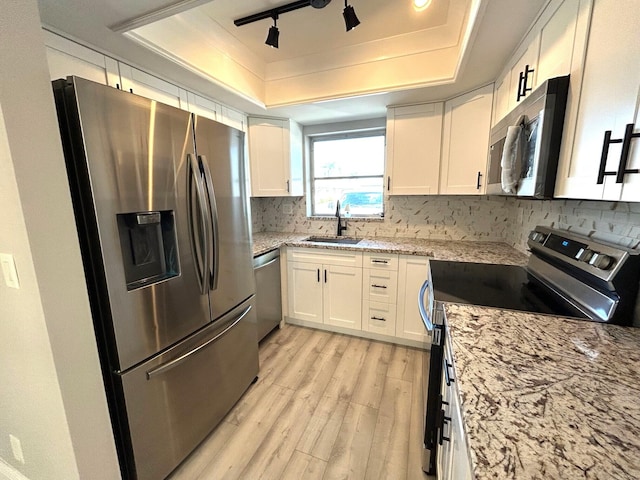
[{"x": 174, "y": 400}]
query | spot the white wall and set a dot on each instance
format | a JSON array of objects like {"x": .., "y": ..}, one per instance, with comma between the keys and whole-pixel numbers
[{"x": 51, "y": 394}]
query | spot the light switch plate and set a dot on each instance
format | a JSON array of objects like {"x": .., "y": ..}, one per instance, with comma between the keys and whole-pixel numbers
[{"x": 9, "y": 270}]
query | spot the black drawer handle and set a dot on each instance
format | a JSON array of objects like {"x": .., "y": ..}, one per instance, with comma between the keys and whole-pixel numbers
[
  {"x": 375, "y": 260},
  {"x": 444, "y": 420},
  {"x": 378, "y": 286},
  {"x": 447, "y": 376},
  {"x": 379, "y": 318}
]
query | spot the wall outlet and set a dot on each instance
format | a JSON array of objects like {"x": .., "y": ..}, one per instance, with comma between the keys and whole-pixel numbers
[
  {"x": 16, "y": 448},
  {"x": 9, "y": 270},
  {"x": 287, "y": 209}
]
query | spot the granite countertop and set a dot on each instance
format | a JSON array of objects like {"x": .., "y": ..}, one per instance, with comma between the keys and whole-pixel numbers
[
  {"x": 547, "y": 397},
  {"x": 457, "y": 250}
]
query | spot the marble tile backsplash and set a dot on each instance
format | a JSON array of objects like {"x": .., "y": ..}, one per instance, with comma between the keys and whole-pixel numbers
[
  {"x": 490, "y": 218},
  {"x": 614, "y": 222},
  {"x": 434, "y": 217}
]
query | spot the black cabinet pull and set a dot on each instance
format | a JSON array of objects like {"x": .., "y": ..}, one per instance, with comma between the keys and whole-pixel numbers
[
  {"x": 443, "y": 420},
  {"x": 325, "y": 275},
  {"x": 520, "y": 82},
  {"x": 378, "y": 286},
  {"x": 624, "y": 155},
  {"x": 131, "y": 90},
  {"x": 447, "y": 376},
  {"x": 318, "y": 275},
  {"x": 118, "y": 86},
  {"x": 379, "y": 261},
  {"x": 378, "y": 318},
  {"x": 288, "y": 187},
  {"x": 388, "y": 183},
  {"x": 478, "y": 181},
  {"x": 524, "y": 79}
]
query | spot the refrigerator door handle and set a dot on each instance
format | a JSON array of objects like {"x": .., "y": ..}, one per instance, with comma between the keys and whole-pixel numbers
[
  {"x": 215, "y": 263},
  {"x": 201, "y": 266},
  {"x": 159, "y": 370}
]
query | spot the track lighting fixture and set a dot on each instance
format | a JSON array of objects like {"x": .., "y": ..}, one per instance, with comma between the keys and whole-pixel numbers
[
  {"x": 274, "y": 33},
  {"x": 350, "y": 19},
  {"x": 349, "y": 14}
]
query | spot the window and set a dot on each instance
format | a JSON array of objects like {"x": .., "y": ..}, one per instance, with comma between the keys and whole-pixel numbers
[{"x": 349, "y": 168}]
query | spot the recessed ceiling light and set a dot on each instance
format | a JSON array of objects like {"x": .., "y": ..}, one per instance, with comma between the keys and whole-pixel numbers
[{"x": 420, "y": 5}]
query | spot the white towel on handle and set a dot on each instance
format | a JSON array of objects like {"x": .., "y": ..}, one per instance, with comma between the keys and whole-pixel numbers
[{"x": 511, "y": 161}]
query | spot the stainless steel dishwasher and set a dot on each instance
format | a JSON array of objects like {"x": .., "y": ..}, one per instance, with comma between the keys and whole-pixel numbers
[{"x": 266, "y": 268}]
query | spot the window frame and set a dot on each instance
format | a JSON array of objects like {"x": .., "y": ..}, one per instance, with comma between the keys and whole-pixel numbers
[{"x": 374, "y": 132}]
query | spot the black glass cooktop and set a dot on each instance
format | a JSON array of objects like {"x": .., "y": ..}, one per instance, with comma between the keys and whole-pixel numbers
[{"x": 500, "y": 286}]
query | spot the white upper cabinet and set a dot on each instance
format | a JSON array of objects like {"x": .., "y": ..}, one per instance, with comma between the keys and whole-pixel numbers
[
  {"x": 556, "y": 42},
  {"x": 141, "y": 83},
  {"x": 69, "y": 58},
  {"x": 275, "y": 155},
  {"x": 465, "y": 142},
  {"x": 604, "y": 97},
  {"x": 204, "y": 107},
  {"x": 545, "y": 52},
  {"x": 413, "y": 149}
]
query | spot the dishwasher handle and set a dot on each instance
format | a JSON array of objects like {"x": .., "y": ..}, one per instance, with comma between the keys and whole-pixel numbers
[{"x": 267, "y": 264}]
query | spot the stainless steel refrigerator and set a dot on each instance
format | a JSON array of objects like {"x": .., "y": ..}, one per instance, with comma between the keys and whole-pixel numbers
[{"x": 163, "y": 220}]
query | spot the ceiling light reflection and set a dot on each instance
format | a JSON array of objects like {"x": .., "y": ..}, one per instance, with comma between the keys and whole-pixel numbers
[{"x": 420, "y": 5}]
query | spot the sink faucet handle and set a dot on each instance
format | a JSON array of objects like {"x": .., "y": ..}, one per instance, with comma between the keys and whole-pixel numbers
[{"x": 337, "y": 208}]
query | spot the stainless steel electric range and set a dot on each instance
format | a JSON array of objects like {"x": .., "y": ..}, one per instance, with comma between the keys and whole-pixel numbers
[{"x": 567, "y": 275}]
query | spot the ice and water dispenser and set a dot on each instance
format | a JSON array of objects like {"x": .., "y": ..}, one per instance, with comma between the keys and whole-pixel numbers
[{"x": 149, "y": 247}]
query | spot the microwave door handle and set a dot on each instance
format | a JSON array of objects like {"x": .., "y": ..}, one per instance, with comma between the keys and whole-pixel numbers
[
  {"x": 423, "y": 311},
  {"x": 215, "y": 260},
  {"x": 201, "y": 261}
]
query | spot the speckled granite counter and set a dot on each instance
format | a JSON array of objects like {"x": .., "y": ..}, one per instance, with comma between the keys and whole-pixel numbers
[
  {"x": 546, "y": 397},
  {"x": 463, "y": 251}
]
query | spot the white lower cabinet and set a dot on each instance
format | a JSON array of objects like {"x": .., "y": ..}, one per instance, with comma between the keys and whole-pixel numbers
[
  {"x": 379, "y": 318},
  {"x": 325, "y": 287},
  {"x": 341, "y": 294},
  {"x": 330, "y": 290},
  {"x": 412, "y": 273},
  {"x": 305, "y": 291},
  {"x": 453, "y": 462}
]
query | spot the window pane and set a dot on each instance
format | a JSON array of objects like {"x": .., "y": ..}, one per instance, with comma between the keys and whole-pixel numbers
[
  {"x": 348, "y": 157},
  {"x": 358, "y": 196}
]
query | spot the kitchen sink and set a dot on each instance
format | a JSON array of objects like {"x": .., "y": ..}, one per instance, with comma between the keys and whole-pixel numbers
[{"x": 341, "y": 240}]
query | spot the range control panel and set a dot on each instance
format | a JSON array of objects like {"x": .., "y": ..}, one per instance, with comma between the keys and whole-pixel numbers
[{"x": 578, "y": 250}]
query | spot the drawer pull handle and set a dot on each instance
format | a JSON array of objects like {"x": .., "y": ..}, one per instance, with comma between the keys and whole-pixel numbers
[
  {"x": 447, "y": 374},
  {"x": 375, "y": 260},
  {"x": 378, "y": 286},
  {"x": 444, "y": 420},
  {"x": 379, "y": 318}
]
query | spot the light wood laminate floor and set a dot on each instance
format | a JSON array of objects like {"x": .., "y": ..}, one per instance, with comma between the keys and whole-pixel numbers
[{"x": 325, "y": 406}]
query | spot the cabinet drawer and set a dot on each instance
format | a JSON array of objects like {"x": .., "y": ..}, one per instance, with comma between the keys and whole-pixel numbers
[
  {"x": 379, "y": 285},
  {"x": 383, "y": 261},
  {"x": 379, "y": 317},
  {"x": 325, "y": 256}
]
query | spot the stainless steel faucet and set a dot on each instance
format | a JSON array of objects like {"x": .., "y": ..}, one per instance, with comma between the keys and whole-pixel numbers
[{"x": 340, "y": 227}]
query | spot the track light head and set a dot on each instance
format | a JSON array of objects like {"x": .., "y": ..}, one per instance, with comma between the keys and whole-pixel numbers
[
  {"x": 350, "y": 19},
  {"x": 274, "y": 34}
]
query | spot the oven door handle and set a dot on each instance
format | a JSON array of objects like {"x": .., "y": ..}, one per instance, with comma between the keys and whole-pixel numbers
[{"x": 423, "y": 311}]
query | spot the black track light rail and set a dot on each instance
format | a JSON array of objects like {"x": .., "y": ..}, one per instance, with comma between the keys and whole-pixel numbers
[{"x": 274, "y": 12}]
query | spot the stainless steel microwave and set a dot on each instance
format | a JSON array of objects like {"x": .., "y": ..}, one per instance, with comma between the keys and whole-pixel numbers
[{"x": 525, "y": 145}]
